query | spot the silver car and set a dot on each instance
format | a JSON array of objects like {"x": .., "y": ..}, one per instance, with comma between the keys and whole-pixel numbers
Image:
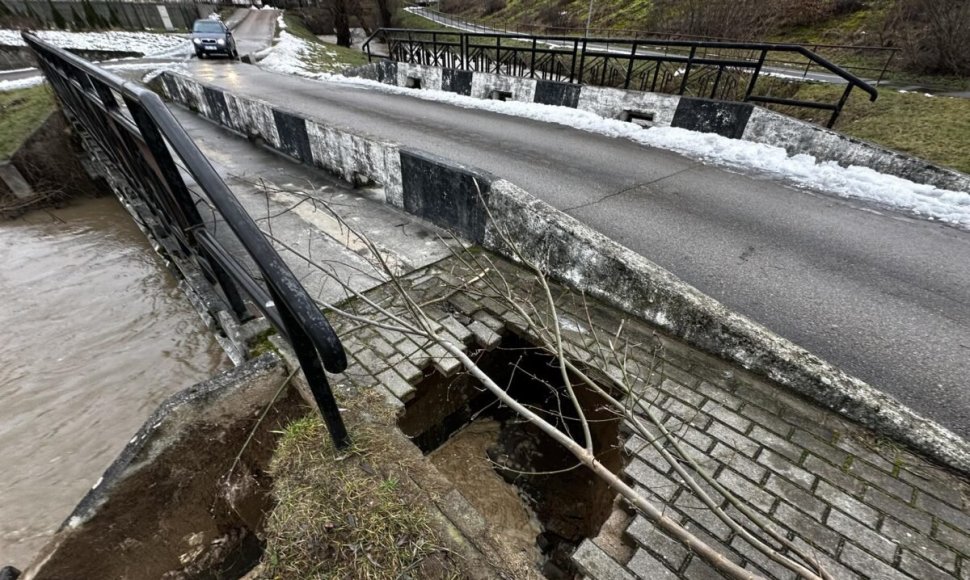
[{"x": 213, "y": 37}]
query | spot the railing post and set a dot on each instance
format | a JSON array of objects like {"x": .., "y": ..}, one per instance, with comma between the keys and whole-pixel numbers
[
  {"x": 690, "y": 64},
  {"x": 755, "y": 74},
  {"x": 582, "y": 61},
  {"x": 463, "y": 40},
  {"x": 885, "y": 67},
  {"x": 841, "y": 103},
  {"x": 498, "y": 55},
  {"x": 532, "y": 66},
  {"x": 629, "y": 67}
]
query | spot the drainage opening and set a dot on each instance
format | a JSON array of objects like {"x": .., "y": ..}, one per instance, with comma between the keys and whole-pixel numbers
[
  {"x": 519, "y": 478},
  {"x": 496, "y": 95},
  {"x": 641, "y": 118},
  {"x": 412, "y": 83}
]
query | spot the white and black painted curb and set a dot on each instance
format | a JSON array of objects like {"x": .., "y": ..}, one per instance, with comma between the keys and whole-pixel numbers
[
  {"x": 461, "y": 198},
  {"x": 734, "y": 120}
]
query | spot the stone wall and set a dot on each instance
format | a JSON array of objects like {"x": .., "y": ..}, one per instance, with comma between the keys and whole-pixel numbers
[
  {"x": 97, "y": 14},
  {"x": 15, "y": 57}
]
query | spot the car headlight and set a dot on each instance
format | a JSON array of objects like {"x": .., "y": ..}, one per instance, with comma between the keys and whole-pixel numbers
[
  {"x": 221, "y": 42},
  {"x": 197, "y": 40}
]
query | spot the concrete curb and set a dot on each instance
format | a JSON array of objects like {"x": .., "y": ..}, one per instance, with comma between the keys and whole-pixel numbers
[
  {"x": 734, "y": 120},
  {"x": 432, "y": 188}
]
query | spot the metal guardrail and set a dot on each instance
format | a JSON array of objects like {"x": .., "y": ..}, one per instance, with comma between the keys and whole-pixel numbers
[
  {"x": 138, "y": 135},
  {"x": 881, "y": 57},
  {"x": 721, "y": 70}
]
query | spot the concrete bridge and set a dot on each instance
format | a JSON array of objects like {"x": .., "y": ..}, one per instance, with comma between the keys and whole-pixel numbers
[{"x": 880, "y": 295}]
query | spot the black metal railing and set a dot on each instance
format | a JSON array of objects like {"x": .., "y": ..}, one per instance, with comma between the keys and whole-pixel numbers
[
  {"x": 136, "y": 136},
  {"x": 743, "y": 71}
]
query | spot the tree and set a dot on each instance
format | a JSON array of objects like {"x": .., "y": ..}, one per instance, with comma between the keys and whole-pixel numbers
[
  {"x": 341, "y": 22},
  {"x": 626, "y": 394},
  {"x": 385, "y": 13},
  {"x": 933, "y": 35}
]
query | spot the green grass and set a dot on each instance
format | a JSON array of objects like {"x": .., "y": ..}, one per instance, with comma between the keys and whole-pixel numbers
[
  {"x": 344, "y": 515},
  {"x": 323, "y": 57},
  {"x": 934, "y": 128},
  {"x": 21, "y": 113}
]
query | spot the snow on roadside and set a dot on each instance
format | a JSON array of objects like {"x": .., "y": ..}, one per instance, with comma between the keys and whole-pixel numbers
[
  {"x": 153, "y": 68},
  {"x": 147, "y": 43},
  {"x": 951, "y": 207}
]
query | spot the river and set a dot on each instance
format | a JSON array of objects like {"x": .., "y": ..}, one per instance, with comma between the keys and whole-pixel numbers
[{"x": 95, "y": 335}]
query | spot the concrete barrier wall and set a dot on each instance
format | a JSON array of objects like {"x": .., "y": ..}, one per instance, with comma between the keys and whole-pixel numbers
[
  {"x": 102, "y": 14},
  {"x": 461, "y": 199},
  {"x": 14, "y": 57},
  {"x": 730, "y": 119}
]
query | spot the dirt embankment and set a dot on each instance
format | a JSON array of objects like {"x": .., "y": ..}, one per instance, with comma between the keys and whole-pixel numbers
[{"x": 50, "y": 162}]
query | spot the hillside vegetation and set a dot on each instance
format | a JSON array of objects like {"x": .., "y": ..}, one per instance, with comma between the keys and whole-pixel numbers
[{"x": 931, "y": 34}]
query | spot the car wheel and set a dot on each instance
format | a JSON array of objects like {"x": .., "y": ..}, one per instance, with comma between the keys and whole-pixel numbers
[{"x": 201, "y": 55}]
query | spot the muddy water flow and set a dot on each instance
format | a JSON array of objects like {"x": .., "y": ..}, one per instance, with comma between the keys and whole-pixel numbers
[{"x": 95, "y": 336}]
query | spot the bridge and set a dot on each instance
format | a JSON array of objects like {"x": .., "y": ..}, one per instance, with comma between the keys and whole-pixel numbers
[{"x": 879, "y": 294}]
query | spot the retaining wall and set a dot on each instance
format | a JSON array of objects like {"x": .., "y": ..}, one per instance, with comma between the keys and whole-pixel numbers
[
  {"x": 735, "y": 120},
  {"x": 15, "y": 57},
  {"x": 95, "y": 14},
  {"x": 460, "y": 199}
]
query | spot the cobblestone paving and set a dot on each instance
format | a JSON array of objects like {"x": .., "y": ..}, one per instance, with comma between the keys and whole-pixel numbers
[{"x": 864, "y": 507}]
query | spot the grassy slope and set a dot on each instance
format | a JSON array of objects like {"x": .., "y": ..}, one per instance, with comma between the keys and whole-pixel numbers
[
  {"x": 934, "y": 128},
  {"x": 325, "y": 57},
  {"x": 21, "y": 112}
]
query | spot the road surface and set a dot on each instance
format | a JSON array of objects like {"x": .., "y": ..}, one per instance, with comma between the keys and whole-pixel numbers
[{"x": 883, "y": 296}]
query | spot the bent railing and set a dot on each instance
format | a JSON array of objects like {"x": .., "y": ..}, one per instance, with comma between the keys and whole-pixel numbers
[
  {"x": 138, "y": 135},
  {"x": 742, "y": 71}
]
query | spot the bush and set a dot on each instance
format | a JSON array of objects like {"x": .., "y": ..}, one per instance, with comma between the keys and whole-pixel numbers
[{"x": 933, "y": 35}]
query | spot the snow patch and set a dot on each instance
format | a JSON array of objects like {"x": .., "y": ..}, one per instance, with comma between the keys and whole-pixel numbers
[{"x": 146, "y": 43}]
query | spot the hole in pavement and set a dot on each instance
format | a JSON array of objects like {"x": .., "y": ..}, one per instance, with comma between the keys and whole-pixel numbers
[
  {"x": 519, "y": 478},
  {"x": 641, "y": 118}
]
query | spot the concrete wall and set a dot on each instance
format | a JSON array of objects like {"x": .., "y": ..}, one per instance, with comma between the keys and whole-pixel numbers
[
  {"x": 729, "y": 119},
  {"x": 103, "y": 14},
  {"x": 14, "y": 57},
  {"x": 456, "y": 197}
]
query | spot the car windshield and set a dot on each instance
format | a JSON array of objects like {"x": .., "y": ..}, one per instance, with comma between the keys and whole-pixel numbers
[{"x": 207, "y": 26}]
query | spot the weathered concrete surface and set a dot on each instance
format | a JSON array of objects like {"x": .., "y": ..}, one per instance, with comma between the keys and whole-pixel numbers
[
  {"x": 865, "y": 507},
  {"x": 175, "y": 501},
  {"x": 601, "y": 266}
]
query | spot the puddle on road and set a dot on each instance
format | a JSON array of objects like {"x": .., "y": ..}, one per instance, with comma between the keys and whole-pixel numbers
[{"x": 95, "y": 336}]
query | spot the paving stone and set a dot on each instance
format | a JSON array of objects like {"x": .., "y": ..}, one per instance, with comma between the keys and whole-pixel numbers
[
  {"x": 848, "y": 504},
  {"x": 932, "y": 481},
  {"x": 819, "y": 447},
  {"x": 884, "y": 481},
  {"x": 776, "y": 443},
  {"x": 595, "y": 563},
  {"x": 371, "y": 361},
  {"x": 636, "y": 445},
  {"x": 659, "y": 544},
  {"x": 834, "y": 475},
  {"x": 647, "y": 567},
  {"x": 957, "y": 540},
  {"x": 490, "y": 321},
  {"x": 733, "y": 439},
  {"x": 720, "y": 395},
  {"x": 738, "y": 462},
  {"x": 686, "y": 413},
  {"x": 485, "y": 336},
  {"x": 456, "y": 329},
  {"x": 383, "y": 348},
  {"x": 464, "y": 303},
  {"x": 783, "y": 466},
  {"x": 759, "y": 401},
  {"x": 408, "y": 371},
  {"x": 685, "y": 394},
  {"x": 767, "y": 420},
  {"x": 727, "y": 416},
  {"x": 750, "y": 492},
  {"x": 886, "y": 503},
  {"x": 763, "y": 565},
  {"x": 861, "y": 535},
  {"x": 447, "y": 365},
  {"x": 698, "y": 569},
  {"x": 919, "y": 543},
  {"x": 681, "y": 376},
  {"x": 699, "y": 516},
  {"x": 396, "y": 385},
  {"x": 658, "y": 484},
  {"x": 796, "y": 496},
  {"x": 920, "y": 568},
  {"x": 814, "y": 533},
  {"x": 866, "y": 564},
  {"x": 858, "y": 450},
  {"x": 837, "y": 570},
  {"x": 957, "y": 518}
]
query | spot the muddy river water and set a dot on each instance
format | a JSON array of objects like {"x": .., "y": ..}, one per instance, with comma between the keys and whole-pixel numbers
[{"x": 95, "y": 335}]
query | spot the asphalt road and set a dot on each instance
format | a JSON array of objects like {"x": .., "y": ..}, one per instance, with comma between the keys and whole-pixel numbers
[{"x": 882, "y": 295}]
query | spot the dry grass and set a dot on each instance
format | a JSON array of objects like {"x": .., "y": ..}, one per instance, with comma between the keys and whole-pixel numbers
[{"x": 346, "y": 515}]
